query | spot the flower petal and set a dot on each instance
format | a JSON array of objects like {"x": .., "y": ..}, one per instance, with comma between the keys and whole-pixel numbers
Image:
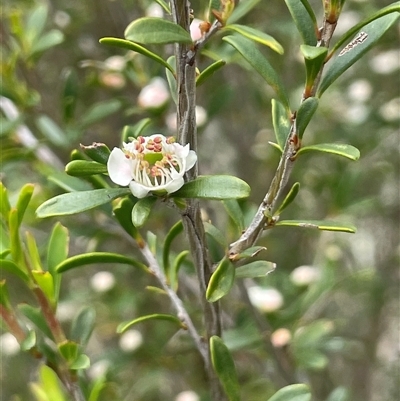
[
  {"x": 174, "y": 185},
  {"x": 191, "y": 160},
  {"x": 138, "y": 190},
  {"x": 119, "y": 168}
]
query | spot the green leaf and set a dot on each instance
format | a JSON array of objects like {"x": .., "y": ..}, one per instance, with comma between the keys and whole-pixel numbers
[
  {"x": 13, "y": 268},
  {"x": 394, "y": 7},
  {"x": 221, "y": 281},
  {"x": 36, "y": 317},
  {"x": 175, "y": 230},
  {"x": 36, "y": 22},
  {"x": 177, "y": 264},
  {"x": 142, "y": 209},
  {"x": 289, "y": 198},
  {"x": 314, "y": 58},
  {"x": 293, "y": 392},
  {"x": 98, "y": 152},
  {"x": 127, "y": 44},
  {"x": 256, "y": 59},
  {"x": 241, "y": 9},
  {"x": 45, "y": 281},
  {"x": 29, "y": 341},
  {"x": 70, "y": 93},
  {"x": 164, "y": 5},
  {"x": 319, "y": 224},
  {"x": 69, "y": 350},
  {"x": 33, "y": 252},
  {"x": 95, "y": 258},
  {"x": 249, "y": 253},
  {"x": 80, "y": 363},
  {"x": 83, "y": 325},
  {"x": 214, "y": 187},
  {"x": 340, "y": 149},
  {"x": 157, "y": 316},
  {"x": 281, "y": 123},
  {"x": 69, "y": 183},
  {"x": 207, "y": 72},
  {"x": 24, "y": 197},
  {"x": 150, "y": 30},
  {"x": 305, "y": 23},
  {"x": 82, "y": 168},
  {"x": 17, "y": 253},
  {"x": 235, "y": 213},
  {"x": 99, "y": 111},
  {"x": 123, "y": 212},
  {"x": 133, "y": 131},
  {"x": 339, "y": 394},
  {"x": 214, "y": 233},
  {"x": 371, "y": 33},
  {"x": 53, "y": 133},
  {"x": 259, "y": 268},
  {"x": 4, "y": 296},
  {"x": 224, "y": 367},
  {"x": 51, "y": 384},
  {"x": 171, "y": 78},
  {"x": 76, "y": 202},
  {"x": 50, "y": 39},
  {"x": 5, "y": 206},
  {"x": 304, "y": 114},
  {"x": 99, "y": 383},
  {"x": 256, "y": 36}
]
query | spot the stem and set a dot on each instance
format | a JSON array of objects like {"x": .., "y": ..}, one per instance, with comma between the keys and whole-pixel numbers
[
  {"x": 284, "y": 169},
  {"x": 193, "y": 225}
]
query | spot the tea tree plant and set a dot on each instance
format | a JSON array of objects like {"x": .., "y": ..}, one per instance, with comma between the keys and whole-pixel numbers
[{"x": 152, "y": 172}]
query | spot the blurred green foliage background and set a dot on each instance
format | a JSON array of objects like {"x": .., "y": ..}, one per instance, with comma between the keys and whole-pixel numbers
[{"x": 340, "y": 317}]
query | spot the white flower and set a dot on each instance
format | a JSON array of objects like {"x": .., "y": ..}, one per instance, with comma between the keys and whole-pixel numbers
[
  {"x": 265, "y": 299},
  {"x": 195, "y": 31},
  {"x": 153, "y": 163}
]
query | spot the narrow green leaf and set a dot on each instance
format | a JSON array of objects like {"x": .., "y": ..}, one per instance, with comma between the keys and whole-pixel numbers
[
  {"x": 314, "y": 58},
  {"x": 142, "y": 209},
  {"x": 304, "y": 114},
  {"x": 33, "y": 252},
  {"x": 305, "y": 22},
  {"x": 319, "y": 224},
  {"x": 51, "y": 384},
  {"x": 224, "y": 367},
  {"x": 164, "y": 5},
  {"x": 83, "y": 325},
  {"x": 50, "y": 39},
  {"x": 171, "y": 78},
  {"x": 214, "y": 233},
  {"x": 98, "y": 152},
  {"x": 289, "y": 198},
  {"x": 70, "y": 92},
  {"x": 249, "y": 253},
  {"x": 76, "y": 202},
  {"x": 293, "y": 392},
  {"x": 36, "y": 317},
  {"x": 123, "y": 212},
  {"x": 81, "y": 362},
  {"x": 45, "y": 281},
  {"x": 340, "y": 149},
  {"x": 17, "y": 253},
  {"x": 69, "y": 183},
  {"x": 363, "y": 42},
  {"x": 99, "y": 383},
  {"x": 29, "y": 341},
  {"x": 53, "y": 133},
  {"x": 256, "y": 59},
  {"x": 133, "y": 131},
  {"x": 256, "y": 36},
  {"x": 210, "y": 70},
  {"x": 176, "y": 265},
  {"x": 214, "y": 187},
  {"x": 99, "y": 111},
  {"x": 69, "y": 350},
  {"x": 150, "y": 30},
  {"x": 13, "y": 268},
  {"x": 5, "y": 206},
  {"x": 280, "y": 122},
  {"x": 241, "y": 9},
  {"x": 24, "y": 197},
  {"x": 235, "y": 213},
  {"x": 213, "y": 5},
  {"x": 57, "y": 252},
  {"x": 36, "y": 22},
  {"x": 127, "y": 44},
  {"x": 391, "y": 8},
  {"x": 175, "y": 230},
  {"x": 157, "y": 316},
  {"x": 258, "y": 268},
  {"x": 95, "y": 258},
  {"x": 82, "y": 168},
  {"x": 221, "y": 281},
  {"x": 4, "y": 296}
]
